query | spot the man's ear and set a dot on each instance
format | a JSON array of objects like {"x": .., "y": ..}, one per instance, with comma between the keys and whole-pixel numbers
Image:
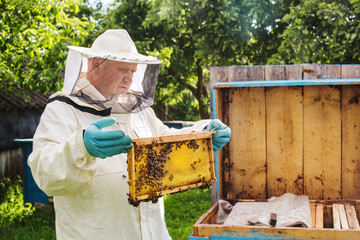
[{"x": 94, "y": 63}]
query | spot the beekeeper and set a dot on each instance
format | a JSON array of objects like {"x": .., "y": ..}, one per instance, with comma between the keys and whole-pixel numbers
[{"x": 79, "y": 149}]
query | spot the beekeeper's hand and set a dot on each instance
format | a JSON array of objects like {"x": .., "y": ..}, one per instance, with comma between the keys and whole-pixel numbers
[
  {"x": 222, "y": 136},
  {"x": 102, "y": 143}
]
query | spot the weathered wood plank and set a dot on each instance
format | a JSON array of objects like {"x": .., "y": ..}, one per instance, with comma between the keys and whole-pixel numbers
[
  {"x": 285, "y": 72},
  {"x": 253, "y": 232},
  {"x": 321, "y": 71},
  {"x": 222, "y": 113},
  {"x": 357, "y": 209},
  {"x": 336, "y": 216},
  {"x": 343, "y": 218},
  {"x": 350, "y": 71},
  {"x": 131, "y": 170},
  {"x": 173, "y": 138},
  {"x": 218, "y": 74},
  {"x": 350, "y": 142},
  {"x": 322, "y": 142},
  {"x": 357, "y": 224},
  {"x": 351, "y": 216},
  {"x": 328, "y": 220},
  {"x": 169, "y": 191},
  {"x": 319, "y": 215},
  {"x": 245, "y": 73},
  {"x": 206, "y": 218},
  {"x": 313, "y": 214},
  {"x": 248, "y": 158},
  {"x": 284, "y": 131}
]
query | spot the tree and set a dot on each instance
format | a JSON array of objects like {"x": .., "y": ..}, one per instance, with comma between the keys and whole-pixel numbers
[
  {"x": 320, "y": 32},
  {"x": 206, "y": 33},
  {"x": 196, "y": 34},
  {"x": 34, "y": 36}
]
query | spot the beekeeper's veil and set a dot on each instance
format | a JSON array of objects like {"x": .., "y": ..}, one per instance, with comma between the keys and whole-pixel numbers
[{"x": 115, "y": 45}]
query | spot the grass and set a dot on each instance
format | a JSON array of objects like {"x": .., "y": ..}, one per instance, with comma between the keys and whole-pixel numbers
[
  {"x": 19, "y": 221},
  {"x": 183, "y": 209}
]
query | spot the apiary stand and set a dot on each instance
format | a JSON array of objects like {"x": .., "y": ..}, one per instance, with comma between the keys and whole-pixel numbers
[{"x": 295, "y": 129}]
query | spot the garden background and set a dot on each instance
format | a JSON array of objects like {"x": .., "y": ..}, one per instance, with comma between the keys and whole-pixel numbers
[{"x": 188, "y": 37}]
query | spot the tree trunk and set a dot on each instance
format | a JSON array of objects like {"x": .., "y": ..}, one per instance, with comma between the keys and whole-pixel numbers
[{"x": 201, "y": 92}]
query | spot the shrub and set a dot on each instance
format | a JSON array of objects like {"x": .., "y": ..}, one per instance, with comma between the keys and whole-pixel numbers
[{"x": 12, "y": 208}]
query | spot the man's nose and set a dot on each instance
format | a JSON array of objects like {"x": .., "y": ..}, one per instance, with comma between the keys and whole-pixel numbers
[{"x": 128, "y": 76}]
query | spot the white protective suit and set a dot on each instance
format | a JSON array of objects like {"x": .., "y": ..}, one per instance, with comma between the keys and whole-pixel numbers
[{"x": 90, "y": 194}]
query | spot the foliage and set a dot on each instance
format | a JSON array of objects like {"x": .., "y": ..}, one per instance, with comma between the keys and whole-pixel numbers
[
  {"x": 34, "y": 36},
  {"x": 184, "y": 209},
  {"x": 93, "y": 11},
  {"x": 200, "y": 34},
  {"x": 187, "y": 35},
  {"x": 320, "y": 32},
  {"x": 213, "y": 33},
  {"x": 12, "y": 208}
]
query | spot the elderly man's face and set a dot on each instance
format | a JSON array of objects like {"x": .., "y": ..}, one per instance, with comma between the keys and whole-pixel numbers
[{"x": 113, "y": 77}]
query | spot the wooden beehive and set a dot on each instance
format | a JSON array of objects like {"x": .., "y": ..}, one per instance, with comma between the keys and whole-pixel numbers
[
  {"x": 169, "y": 164},
  {"x": 295, "y": 129}
]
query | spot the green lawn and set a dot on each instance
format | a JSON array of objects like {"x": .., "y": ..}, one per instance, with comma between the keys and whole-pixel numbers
[
  {"x": 19, "y": 221},
  {"x": 183, "y": 209}
]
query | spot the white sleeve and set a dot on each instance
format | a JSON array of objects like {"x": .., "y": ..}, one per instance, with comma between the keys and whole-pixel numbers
[{"x": 59, "y": 162}]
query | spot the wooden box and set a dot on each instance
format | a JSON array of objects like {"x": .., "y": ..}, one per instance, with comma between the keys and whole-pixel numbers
[
  {"x": 169, "y": 164},
  {"x": 295, "y": 129}
]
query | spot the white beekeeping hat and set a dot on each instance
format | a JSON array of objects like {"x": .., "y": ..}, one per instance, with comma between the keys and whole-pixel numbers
[{"x": 115, "y": 45}]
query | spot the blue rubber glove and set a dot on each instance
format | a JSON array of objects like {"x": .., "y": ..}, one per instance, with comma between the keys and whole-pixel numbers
[
  {"x": 101, "y": 143},
  {"x": 222, "y": 136}
]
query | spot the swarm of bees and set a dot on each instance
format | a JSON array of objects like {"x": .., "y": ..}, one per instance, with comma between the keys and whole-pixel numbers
[{"x": 150, "y": 161}]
